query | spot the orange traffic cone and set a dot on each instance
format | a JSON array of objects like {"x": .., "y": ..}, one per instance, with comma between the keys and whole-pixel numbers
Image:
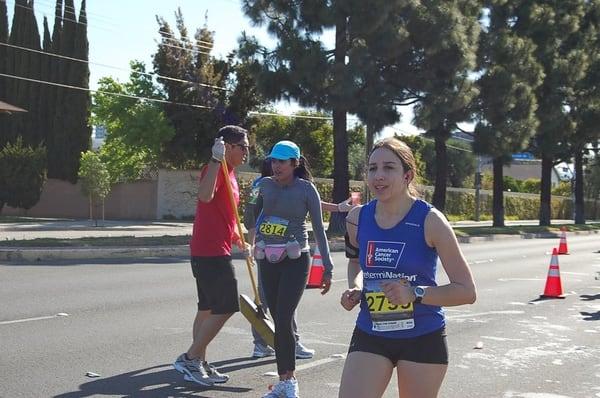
[
  {"x": 562, "y": 247},
  {"x": 315, "y": 276},
  {"x": 553, "y": 287}
]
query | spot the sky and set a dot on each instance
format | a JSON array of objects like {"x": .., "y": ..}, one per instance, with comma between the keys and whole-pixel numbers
[{"x": 123, "y": 30}]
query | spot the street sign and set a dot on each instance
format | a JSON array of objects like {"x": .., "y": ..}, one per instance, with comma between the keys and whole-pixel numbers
[{"x": 523, "y": 156}]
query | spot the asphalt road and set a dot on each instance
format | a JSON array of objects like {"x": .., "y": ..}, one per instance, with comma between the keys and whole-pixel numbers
[{"x": 127, "y": 321}]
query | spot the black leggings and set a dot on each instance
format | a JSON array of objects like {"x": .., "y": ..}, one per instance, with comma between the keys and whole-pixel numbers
[{"x": 284, "y": 284}]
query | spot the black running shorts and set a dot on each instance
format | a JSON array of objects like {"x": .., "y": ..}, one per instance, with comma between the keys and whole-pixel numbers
[
  {"x": 216, "y": 284},
  {"x": 429, "y": 348}
]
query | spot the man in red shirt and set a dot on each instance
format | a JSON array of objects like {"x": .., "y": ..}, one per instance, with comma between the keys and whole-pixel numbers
[{"x": 212, "y": 238}]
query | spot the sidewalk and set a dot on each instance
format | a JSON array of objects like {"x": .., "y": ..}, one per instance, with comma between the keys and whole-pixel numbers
[{"x": 74, "y": 229}]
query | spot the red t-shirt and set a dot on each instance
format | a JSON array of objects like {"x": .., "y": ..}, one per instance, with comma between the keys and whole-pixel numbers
[{"x": 214, "y": 224}]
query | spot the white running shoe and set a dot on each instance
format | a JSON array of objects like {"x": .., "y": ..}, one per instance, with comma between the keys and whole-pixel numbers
[
  {"x": 284, "y": 389},
  {"x": 303, "y": 352},
  {"x": 192, "y": 370},
  {"x": 262, "y": 350},
  {"x": 213, "y": 374}
]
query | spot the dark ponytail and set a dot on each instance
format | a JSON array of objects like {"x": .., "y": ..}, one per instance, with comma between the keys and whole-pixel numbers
[{"x": 302, "y": 169}]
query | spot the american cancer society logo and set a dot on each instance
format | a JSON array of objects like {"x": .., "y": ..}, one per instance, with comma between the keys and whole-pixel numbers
[{"x": 384, "y": 254}]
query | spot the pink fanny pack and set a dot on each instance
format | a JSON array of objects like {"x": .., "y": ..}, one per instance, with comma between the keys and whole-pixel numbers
[{"x": 275, "y": 253}]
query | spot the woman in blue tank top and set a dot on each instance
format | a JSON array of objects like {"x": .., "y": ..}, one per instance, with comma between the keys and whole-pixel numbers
[{"x": 393, "y": 244}]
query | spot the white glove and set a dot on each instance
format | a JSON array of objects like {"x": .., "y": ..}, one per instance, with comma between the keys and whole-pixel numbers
[{"x": 218, "y": 149}]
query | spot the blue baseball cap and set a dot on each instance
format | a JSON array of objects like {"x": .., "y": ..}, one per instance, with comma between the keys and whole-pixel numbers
[{"x": 285, "y": 150}]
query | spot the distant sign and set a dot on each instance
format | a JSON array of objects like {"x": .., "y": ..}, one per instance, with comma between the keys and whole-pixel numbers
[
  {"x": 100, "y": 132},
  {"x": 523, "y": 156}
]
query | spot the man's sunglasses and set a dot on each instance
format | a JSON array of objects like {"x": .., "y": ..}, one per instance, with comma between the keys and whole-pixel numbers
[{"x": 244, "y": 147}]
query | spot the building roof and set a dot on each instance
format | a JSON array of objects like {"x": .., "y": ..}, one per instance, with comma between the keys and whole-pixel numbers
[{"x": 8, "y": 108}]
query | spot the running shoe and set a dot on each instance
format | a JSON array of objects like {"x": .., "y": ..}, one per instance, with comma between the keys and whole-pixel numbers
[
  {"x": 262, "y": 350},
  {"x": 303, "y": 352},
  {"x": 192, "y": 370},
  {"x": 213, "y": 374},
  {"x": 284, "y": 389}
]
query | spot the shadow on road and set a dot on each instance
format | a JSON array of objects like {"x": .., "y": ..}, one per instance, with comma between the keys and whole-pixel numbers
[
  {"x": 158, "y": 381},
  {"x": 589, "y": 297},
  {"x": 591, "y": 316}
]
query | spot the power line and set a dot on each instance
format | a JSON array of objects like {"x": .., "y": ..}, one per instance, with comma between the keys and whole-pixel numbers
[
  {"x": 432, "y": 140},
  {"x": 205, "y": 47},
  {"x": 112, "y": 67},
  {"x": 103, "y": 92},
  {"x": 87, "y": 13},
  {"x": 156, "y": 100},
  {"x": 182, "y": 48},
  {"x": 171, "y": 35},
  {"x": 66, "y": 19},
  {"x": 291, "y": 116}
]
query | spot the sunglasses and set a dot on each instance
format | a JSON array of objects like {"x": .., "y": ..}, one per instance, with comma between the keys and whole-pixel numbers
[{"x": 243, "y": 146}]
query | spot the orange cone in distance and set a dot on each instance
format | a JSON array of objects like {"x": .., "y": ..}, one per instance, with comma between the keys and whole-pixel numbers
[
  {"x": 553, "y": 287},
  {"x": 315, "y": 275},
  {"x": 562, "y": 247}
]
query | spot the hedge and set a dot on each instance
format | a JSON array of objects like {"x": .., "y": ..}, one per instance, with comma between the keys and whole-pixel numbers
[{"x": 460, "y": 202}]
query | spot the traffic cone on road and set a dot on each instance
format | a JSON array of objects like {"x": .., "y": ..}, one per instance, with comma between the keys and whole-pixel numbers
[
  {"x": 562, "y": 247},
  {"x": 553, "y": 287},
  {"x": 315, "y": 275}
]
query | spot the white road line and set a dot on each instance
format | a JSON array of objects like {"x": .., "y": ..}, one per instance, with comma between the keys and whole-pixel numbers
[
  {"x": 319, "y": 362},
  {"x": 485, "y": 313},
  {"x": 520, "y": 279},
  {"x": 39, "y": 318}
]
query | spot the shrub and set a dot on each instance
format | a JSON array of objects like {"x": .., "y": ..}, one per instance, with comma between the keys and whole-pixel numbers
[{"x": 22, "y": 174}]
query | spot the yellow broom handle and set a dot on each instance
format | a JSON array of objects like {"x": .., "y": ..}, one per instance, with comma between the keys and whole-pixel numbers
[{"x": 249, "y": 263}]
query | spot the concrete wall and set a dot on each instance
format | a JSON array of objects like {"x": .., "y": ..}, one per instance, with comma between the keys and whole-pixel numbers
[
  {"x": 176, "y": 192},
  {"x": 131, "y": 201}
]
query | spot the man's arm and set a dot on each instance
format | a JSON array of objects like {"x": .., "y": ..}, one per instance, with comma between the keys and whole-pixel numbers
[{"x": 208, "y": 181}]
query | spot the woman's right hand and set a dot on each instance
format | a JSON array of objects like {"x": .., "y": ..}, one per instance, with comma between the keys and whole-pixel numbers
[{"x": 350, "y": 298}]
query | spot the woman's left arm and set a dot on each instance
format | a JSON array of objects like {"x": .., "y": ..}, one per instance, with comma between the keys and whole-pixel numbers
[{"x": 461, "y": 289}]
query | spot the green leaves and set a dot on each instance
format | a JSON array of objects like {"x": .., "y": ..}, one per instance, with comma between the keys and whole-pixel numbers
[
  {"x": 137, "y": 129},
  {"x": 22, "y": 174}
]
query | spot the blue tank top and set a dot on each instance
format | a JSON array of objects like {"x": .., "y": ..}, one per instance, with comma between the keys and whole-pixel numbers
[{"x": 396, "y": 253}]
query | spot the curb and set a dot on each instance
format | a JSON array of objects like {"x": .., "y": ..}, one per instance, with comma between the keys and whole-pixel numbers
[
  {"x": 17, "y": 254},
  {"x": 62, "y": 253},
  {"x": 539, "y": 235}
]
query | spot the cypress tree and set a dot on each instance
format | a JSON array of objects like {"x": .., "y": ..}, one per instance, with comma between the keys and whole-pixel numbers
[
  {"x": 32, "y": 134},
  {"x": 71, "y": 133},
  {"x": 80, "y": 132},
  {"x": 24, "y": 33},
  {"x": 14, "y": 59},
  {"x": 46, "y": 91},
  {"x": 4, "y": 81},
  {"x": 54, "y": 118},
  {"x": 3, "y": 39}
]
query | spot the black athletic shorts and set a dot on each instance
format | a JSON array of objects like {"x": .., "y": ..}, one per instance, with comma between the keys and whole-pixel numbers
[
  {"x": 216, "y": 284},
  {"x": 429, "y": 348}
]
